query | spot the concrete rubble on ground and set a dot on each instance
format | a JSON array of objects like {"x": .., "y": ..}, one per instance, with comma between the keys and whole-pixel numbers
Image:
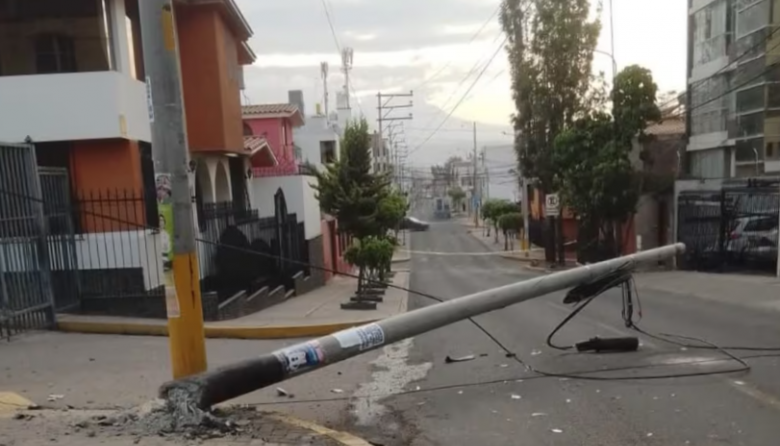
[{"x": 155, "y": 423}]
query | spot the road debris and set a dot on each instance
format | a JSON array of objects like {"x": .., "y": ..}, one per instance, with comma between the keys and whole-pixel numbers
[
  {"x": 450, "y": 359},
  {"x": 337, "y": 391},
  {"x": 515, "y": 396},
  {"x": 282, "y": 392},
  {"x": 536, "y": 352},
  {"x": 538, "y": 414},
  {"x": 557, "y": 431}
]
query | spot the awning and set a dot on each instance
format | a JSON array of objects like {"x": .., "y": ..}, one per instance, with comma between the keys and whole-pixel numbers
[{"x": 259, "y": 151}]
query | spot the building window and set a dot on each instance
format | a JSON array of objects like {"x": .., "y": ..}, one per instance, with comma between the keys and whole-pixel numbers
[
  {"x": 752, "y": 18},
  {"x": 327, "y": 152},
  {"x": 248, "y": 130},
  {"x": 749, "y": 150},
  {"x": 54, "y": 53}
]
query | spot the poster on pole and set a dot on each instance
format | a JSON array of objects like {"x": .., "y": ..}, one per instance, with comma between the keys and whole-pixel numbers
[{"x": 165, "y": 215}]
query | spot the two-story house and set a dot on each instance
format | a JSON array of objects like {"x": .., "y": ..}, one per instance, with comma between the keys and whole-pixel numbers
[
  {"x": 72, "y": 83},
  {"x": 286, "y": 177}
]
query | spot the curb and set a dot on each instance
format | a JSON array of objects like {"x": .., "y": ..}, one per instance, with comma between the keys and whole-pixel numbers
[
  {"x": 340, "y": 437},
  {"x": 211, "y": 331}
]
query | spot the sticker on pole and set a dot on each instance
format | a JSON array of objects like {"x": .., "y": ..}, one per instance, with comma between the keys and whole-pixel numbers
[
  {"x": 552, "y": 205},
  {"x": 364, "y": 337},
  {"x": 149, "y": 99},
  {"x": 298, "y": 358},
  {"x": 172, "y": 308}
]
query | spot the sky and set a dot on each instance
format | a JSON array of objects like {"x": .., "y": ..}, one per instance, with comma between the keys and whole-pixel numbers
[{"x": 429, "y": 47}]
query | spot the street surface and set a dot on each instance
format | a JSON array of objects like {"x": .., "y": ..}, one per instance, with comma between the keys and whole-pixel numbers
[
  {"x": 406, "y": 395},
  {"x": 524, "y": 408}
]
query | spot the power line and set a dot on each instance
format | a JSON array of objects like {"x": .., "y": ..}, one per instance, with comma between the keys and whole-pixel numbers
[
  {"x": 471, "y": 71},
  {"x": 473, "y": 38},
  {"x": 463, "y": 97}
]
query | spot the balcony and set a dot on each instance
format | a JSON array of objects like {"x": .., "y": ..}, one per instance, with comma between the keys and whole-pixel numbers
[
  {"x": 73, "y": 106},
  {"x": 70, "y": 71}
]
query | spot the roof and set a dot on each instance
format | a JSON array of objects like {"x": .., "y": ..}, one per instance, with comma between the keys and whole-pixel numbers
[
  {"x": 232, "y": 14},
  {"x": 261, "y": 111},
  {"x": 669, "y": 126},
  {"x": 257, "y": 144}
]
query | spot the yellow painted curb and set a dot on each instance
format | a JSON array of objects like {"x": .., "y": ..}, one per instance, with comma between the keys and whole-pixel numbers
[
  {"x": 344, "y": 438},
  {"x": 211, "y": 331},
  {"x": 11, "y": 402}
]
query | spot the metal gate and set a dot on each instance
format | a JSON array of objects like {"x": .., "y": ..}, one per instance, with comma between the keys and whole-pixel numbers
[
  {"x": 63, "y": 261},
  {"x": 732, "y": 228},
  {"x": 26, "y": 298}
]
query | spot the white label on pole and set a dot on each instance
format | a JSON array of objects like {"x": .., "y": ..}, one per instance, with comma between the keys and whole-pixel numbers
[
  {"x": 149, "y": 101},
  {"x": 552, "y": 205},
  {"x": 365, "y": 337},
  {"x": 172, "y": 303}
]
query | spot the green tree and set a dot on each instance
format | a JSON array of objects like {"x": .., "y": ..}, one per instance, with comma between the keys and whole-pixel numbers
[
  {"x": 634, "y": 103},
  {"x": 492, "y": 211},
  {"x": 392, "y": 210},
  {"x": 510, "y": 223},
  {"x": 594, "y": 173},
  {"x": 348, "y": 189},
  {"x": 457, "y": 195},
  {"x": 550, "y": 47}
]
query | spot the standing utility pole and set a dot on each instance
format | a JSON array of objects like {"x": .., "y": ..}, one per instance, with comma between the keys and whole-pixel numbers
[
  {"x": 174, "y": 196},
  {"x": 384, "y": 109},
  {"x": 475, "y": 182}
]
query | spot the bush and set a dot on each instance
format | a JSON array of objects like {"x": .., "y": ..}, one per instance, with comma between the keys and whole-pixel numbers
[
  {"x": 510, "y": 224},
  {"x": 373, "y": 255}
]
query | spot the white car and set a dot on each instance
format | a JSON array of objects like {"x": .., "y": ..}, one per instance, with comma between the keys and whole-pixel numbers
[{"x": 754, "y": 236}]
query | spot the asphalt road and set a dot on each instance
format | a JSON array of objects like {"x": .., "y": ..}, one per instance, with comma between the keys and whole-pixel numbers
[{"x": 444, "y": 404}]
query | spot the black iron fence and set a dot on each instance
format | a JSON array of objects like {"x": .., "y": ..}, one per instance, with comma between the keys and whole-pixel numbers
[
  {"x": 241, "y": 251},
  {"x": 118, "y": 245},
  {"x": 117, "y": 252},
  {"x": 728, "y": 229}
]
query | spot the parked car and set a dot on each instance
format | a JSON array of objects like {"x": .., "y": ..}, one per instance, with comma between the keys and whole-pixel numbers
[
  {"x": 754, "y": 237},
  {"x": 414, "y": 224}
]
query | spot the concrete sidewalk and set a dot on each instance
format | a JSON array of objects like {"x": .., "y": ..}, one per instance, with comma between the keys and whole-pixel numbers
[
  {"x": 316, "y": 313},
  {"x": 532, "y": 260},
  {"x": 760, "y": 292}
]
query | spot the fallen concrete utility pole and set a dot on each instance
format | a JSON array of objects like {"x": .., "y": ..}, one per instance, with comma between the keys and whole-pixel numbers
[{"x": 212, "y": 387}]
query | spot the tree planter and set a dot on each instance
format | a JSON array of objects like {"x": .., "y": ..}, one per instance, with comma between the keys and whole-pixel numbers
[
  {"x": 367, "y": 298},
  {"x": 371, "y": 291},
  {"x": 360, "y": 305}
]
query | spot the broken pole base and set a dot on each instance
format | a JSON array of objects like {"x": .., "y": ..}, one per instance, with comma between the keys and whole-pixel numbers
[{"x": 224, "y": 383}]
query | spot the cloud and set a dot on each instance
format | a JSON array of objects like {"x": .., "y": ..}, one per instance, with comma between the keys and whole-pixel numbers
[{"x": 427, "y": 46}]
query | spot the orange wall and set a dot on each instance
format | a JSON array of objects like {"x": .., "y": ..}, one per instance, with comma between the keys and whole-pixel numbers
[
  {"x": 210, "y": 80},
  {"x": 106, "y": 176}
]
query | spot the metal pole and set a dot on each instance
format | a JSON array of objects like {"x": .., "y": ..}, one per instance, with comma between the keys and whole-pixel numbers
[
  {"x": 231, "y": 381},
  {"x": 475, "y": 182},
  {"x": 171, "y": 161}
]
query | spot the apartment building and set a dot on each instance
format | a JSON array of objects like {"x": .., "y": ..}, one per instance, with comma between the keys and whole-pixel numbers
[{"x": 733, "y": 89}]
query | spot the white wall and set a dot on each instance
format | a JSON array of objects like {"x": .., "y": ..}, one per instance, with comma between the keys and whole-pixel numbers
[
  {"x": 309, "y": 136},
  {"x": 106, "y": 250},
  {"x": 74, "y": 106},
  {"x": 299, "y": 195}
]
